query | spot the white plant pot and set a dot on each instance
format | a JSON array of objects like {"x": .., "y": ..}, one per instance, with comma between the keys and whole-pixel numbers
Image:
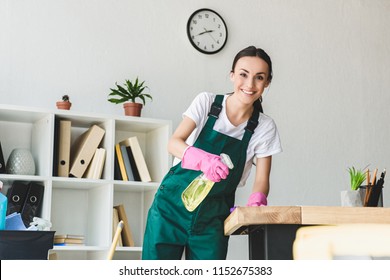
[{"x": 351, "y": 198}]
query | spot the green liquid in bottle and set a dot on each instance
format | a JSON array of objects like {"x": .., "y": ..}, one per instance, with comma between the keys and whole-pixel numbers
[
  {"x": 194, "y": 194},
  {"x": 199, "y": 188}
]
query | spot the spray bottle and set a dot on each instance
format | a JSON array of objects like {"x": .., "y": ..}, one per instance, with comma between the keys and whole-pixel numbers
[{"x": 198, "y": 189}]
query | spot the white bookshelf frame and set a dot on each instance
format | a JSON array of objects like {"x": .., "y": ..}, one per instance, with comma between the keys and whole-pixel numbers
[{"x": 84, "y": 206}]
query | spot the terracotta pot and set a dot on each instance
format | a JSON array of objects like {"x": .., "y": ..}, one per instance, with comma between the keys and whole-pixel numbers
[
  {"x": 132, "y": 109},
  {"x": 63, "y": 105}
]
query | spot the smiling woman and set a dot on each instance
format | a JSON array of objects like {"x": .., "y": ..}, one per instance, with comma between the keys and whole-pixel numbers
[{"x": 234, "y": 125}]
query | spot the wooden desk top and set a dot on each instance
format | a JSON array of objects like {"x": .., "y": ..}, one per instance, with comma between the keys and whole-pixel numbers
[{"x": 242, "y": 217}]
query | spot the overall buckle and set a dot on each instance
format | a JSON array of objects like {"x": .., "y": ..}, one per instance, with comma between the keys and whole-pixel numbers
[
  {"x": 251, "y": 125},
  {"x": 215, "y": 110}
]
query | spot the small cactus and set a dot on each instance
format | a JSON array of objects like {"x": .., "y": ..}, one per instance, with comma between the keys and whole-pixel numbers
[{"x": 65, "y": 103}]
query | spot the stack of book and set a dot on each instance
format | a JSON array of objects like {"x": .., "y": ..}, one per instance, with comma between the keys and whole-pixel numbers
[
  {"x": 126, "y": 234},
  {"x": 130, "y": 164},
  {"x": 68, "y": 239},
  {"x": 85, "y": 157},
  {"x": 82, "y": 159}
]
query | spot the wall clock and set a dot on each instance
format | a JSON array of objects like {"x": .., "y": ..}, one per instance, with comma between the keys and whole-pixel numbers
[{"x": 207, "y": 31}]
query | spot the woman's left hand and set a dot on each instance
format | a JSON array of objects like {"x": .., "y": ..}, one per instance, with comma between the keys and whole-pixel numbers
[{"x": 257, "y": 199}]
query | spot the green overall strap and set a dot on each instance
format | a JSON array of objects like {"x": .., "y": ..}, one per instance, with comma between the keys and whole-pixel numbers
[
  {"x": 251, "y": 125},
  {"x": 215, "y": 109}
]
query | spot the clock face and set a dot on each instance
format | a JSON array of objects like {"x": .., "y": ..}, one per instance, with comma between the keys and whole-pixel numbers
[{"x": 207, "y": 31}]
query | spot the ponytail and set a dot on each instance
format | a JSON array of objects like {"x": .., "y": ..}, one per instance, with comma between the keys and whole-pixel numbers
[{"x": 257, "y": 105}]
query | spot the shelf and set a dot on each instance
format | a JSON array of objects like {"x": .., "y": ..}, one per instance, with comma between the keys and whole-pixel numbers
[
  {"x": 85, "y": 206},
  {"x": 13, "y": 177},
  {"x": 16, "y": 114},
  {"x": 77, "y": 183},
  {"x": 135, "y": 186},
  {"x": 78, "y": 248},
  {"x": 128, "y": 249}
]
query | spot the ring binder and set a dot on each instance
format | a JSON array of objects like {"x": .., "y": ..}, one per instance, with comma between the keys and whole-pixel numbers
[
  {"x": 2, "y": 162},
  {"x": 84, "y": 150},
  {"x": 16, "y": 196},
  {"x": 33, "y": 203}
]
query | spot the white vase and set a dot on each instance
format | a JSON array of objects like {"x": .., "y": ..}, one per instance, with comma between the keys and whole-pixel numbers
[
  {"x": 351, "y": 198},
  {"x": 20, "y": 162}
]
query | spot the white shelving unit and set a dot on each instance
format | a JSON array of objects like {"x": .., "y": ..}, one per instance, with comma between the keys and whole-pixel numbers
[{"x": 84, "y": 206}]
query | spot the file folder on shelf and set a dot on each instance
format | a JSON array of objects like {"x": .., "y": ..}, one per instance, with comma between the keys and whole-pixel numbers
[
  {"x": 126, "y": 161},
  {"x": 121, "y": 163},
  {"x": 95, "y": 169},
  {"x": 25, "y": 199},
  {"x": 64, "y": 148},
  {"x": 84, "y": 150},
  {"x": 139, "y": 159},
  {"x": 132, "y": 164},
  {"x": 127, "y": 236},
  {"x": 16, "y": 196},
  {"x": 115, "y": 222},
  {"x": 117, "y": 171},
  {"x": 33, "y": 203}
]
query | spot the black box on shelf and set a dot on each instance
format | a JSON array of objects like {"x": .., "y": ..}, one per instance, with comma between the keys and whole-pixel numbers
[{"x": 25, "y": 244}]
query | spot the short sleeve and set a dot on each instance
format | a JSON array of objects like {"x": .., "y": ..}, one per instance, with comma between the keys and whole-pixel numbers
[{"x": 199, "y": 108}]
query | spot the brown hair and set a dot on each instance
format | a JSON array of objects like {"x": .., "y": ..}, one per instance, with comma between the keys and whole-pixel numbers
[{"x": 253, "y": 51}]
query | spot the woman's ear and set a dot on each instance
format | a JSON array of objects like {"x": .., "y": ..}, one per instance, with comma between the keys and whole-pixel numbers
[{"x": 231, "y": 76}]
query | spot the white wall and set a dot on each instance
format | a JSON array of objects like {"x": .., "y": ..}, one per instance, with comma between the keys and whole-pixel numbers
[{"x": 330, "y": 94}]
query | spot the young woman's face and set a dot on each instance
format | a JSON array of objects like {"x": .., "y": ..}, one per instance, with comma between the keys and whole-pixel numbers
[{"x": 250, "y": 78}]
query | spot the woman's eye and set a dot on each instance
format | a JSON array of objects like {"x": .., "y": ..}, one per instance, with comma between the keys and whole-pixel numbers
[
  {"x": 243, "y": 75},
  {"x": 260, "y": 78}
]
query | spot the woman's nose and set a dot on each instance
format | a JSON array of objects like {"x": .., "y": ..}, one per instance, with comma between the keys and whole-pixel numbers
[{"x": 250, "y": 83}]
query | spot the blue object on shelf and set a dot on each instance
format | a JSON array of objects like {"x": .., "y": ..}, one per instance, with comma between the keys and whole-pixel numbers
[
  {"x": 3, "y": 209},
  {"x": 14, "y": 222}
]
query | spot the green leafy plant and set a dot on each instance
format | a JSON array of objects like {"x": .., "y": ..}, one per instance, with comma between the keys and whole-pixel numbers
[
  {"x": 130, "y": 91},
  {"x": 65, "y": 98},
  {"x": 357, "y": 177}
]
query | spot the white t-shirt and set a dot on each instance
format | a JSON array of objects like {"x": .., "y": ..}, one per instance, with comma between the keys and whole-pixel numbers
[{"x": 264, "y": 142}]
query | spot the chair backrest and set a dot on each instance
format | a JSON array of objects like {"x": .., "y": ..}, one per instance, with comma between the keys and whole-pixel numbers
[{"x": 349, "y": 241}]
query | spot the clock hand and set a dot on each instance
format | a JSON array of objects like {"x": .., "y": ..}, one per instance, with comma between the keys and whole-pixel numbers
[{"x": 207, "y": 31}]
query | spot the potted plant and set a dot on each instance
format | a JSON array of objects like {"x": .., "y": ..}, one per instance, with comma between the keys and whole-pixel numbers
[
  {"x": 128, "y": 94},
  {"x": 65, "y": 104},
  {"x": 357, "y": 177},
  {"x": 352, "y": 197}
]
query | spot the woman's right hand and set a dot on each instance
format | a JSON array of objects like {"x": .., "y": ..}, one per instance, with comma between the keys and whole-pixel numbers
[{"x": 210, "y": 164}]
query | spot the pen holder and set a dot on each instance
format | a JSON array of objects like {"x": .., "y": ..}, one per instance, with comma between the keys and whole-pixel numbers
[{"x": 375, "y": 196}]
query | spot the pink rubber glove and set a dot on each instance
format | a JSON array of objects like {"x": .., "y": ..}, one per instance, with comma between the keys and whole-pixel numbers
[
  {"x": 209, "y": 164},
  {"x": 257, "y": 199}
]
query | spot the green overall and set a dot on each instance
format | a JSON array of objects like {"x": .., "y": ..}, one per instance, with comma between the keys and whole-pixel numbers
[{"x": 171, "y": 227}]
